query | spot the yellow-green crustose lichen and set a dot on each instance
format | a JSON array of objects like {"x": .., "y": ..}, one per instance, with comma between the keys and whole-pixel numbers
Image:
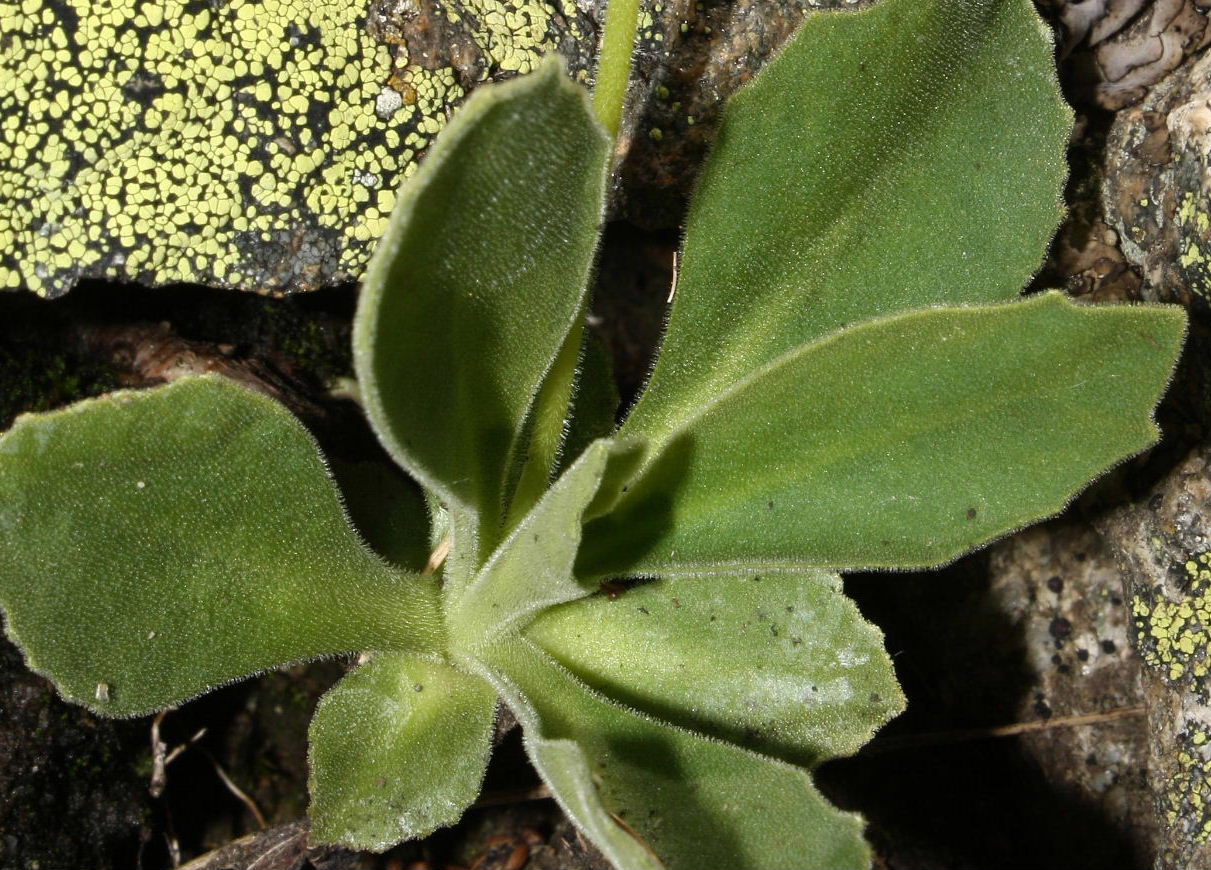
[
  {"x": 1187, "y": 796},
  {"x": 1194, "y": 257},
  {"x": 1173, "y": 635},
  {"x": 246, "y": 143}
]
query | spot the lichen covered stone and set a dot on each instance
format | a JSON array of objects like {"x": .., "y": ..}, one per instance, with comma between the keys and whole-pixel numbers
[
  {"x": 244, "y": 144},
  {"x": 1157, "y": 195},
  {"x": 1174, "y": 634},
  {"x": 1163, "y": 545}
]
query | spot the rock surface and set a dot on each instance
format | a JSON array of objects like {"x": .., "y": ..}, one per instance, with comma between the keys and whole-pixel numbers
[
  {"x": 1163, "y": 542},
  {"x": 1117, "y": 49},
  {"x": 1158, "y": 183}
]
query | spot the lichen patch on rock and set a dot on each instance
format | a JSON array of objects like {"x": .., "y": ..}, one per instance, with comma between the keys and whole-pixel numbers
[
  {"x": 1187, "y": 797},
  {"x": 255, "y": 145},
  {"x": 1173, "y": 635},
  {"x": 1156, "y": 189}
]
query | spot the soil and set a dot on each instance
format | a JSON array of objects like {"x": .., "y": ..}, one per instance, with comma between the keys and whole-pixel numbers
[{"x": 1027, "y": 740}]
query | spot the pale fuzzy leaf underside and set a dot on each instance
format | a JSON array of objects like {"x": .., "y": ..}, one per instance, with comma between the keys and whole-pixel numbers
[
  {"x": 398, "y": 749},
  {"x": 783, "y": 664},
  {"x": 160, "y": 543},
  {"x": 908, "y": 155},
  {"x": 642, "y": 788},
  {"x": 899, "y": 442},
  {"x": 477, "y": 282}
]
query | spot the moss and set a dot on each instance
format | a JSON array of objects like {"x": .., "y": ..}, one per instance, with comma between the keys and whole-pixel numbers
[
  {"x": 318, "y": 345},
  {"x": 33, "y": 380}
]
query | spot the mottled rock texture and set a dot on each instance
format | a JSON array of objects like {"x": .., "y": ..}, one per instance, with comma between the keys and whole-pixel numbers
[
  {"x": 1163, "y": 543},
  {"x": 1157, "y": 184}
]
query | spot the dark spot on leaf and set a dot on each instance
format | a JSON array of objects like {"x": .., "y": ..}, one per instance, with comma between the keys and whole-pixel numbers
[
  {"x": 1154, "y": 503},
  {"x": 380, "y": 781},
  {"x": 770, "y": 505},
  {"x": 611, "y": 589},
  {"x": 419, "y": 687},
  {"x": 1116, "y": 601},
  {"x": 1055, "y": 584},
  {"x": 676, "y": 603},
  {"x": 1108, "y": 647},
  {"x": 876, "y": 698},
  {"x": 1082, "y": 654},
  {"x": 536, "y": 537},
  {"x": 756, "y": 578},
  {"x": 773, "y": 629},
  {"x": 1055, "y": 659},
  {"x": 814, "y": 689},
  {"x": 643, "y": 610},
  {"x": 796, "y": 641},
  {"x": 971, "y": 513},
  {"x": 1042, "y": 709},
  {"x": 790, "y": 608}
]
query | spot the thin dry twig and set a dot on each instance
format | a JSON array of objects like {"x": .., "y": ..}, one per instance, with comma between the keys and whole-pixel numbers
[
  {"x": 437, "y": 557},
  {"x": 239, "y": 793},
  {"x": 513, "y": 796},
  {"x": 161, "y": 757},
  {"x": 909, "y": 741},
  {"x": 272, "y": 850},
  {"x": 676, "y": 272}
]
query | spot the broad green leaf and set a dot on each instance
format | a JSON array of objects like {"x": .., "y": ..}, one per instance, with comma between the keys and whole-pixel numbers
[
  {"x": 388, "y": 510},
  {"x": 694, "y": 802},
  {"x": 908, "y": 155},
  {"x": 157, "y": 544},
  {"x": 477, "y": 282},
  {"x": 783, "y": 664},
  {"x": 899, "y": 442},
  {"x": 398, "y": 749},
  {"x": 532, "y": 567}
]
